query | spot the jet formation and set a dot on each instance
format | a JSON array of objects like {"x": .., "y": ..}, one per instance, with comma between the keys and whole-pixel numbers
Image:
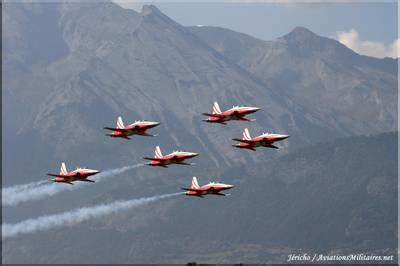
[
  {"x": 137, "y": 128},
  {"x": 79, "y": 174},
  {"x": 263, "y": 140},
  {"x": 237, "y": 113},
  {"x": 212, "y": 188},
  {"x": 175, "y": 157}
]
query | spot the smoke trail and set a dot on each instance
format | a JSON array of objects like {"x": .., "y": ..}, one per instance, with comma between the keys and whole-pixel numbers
[
  {"x": 75, "y": 216},
  {"x": 117, "y": 171},
  {"x": 34, "y": 191},
  {"x": 18, "y": 188}
]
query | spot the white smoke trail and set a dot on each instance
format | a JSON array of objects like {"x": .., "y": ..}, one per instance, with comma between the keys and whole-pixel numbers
[
  {"x": 34, "y": 191},
  {"x": 117, "y": 171},
  {"x": 17, "y": 188},
  {"x": 75, "y": 216}
]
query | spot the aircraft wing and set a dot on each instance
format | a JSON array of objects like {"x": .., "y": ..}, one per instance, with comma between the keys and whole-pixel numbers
[
  {"x": 214, "y": 115},
  {"x": 244, "y": 140},
  {"x": 65, "y": 176},
  {"x": 115, "y": 129},
  {"x": 155, "y": 159},
  {"x": 145, "y": 134},
  {"x": 191, "y": 189},
  {"x": 54, "y": 175}
]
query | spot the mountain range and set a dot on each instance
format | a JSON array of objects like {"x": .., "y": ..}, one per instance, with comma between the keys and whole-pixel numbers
[{"x": 71, "y": 69}]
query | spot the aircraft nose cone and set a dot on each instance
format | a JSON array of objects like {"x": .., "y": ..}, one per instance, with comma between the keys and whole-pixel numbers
[
  {"x": 252, "y": 109},
  {"x": 194, "y": 154}
]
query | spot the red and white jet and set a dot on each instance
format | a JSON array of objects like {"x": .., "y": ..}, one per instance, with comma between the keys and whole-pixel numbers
[
  {"x": 263, "y": 140},
  {"x": 176, "y": 157},
  {"x": 137, "y": 128},
  {"x": 211, "y": 188},
  {"x": 235, "y": 113},
  {"x": 79, "y": 174}
]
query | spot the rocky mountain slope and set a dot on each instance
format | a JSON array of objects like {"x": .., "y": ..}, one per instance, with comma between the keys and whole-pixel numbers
[
  {"x": 331, "y": 82},
  {"x": 333, "y": 198}
]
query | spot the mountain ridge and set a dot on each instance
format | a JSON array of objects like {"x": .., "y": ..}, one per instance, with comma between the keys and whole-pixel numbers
[{"x": 339, "y": 73}]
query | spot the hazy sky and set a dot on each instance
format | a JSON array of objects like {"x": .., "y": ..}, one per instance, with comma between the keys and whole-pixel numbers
[{"x": 369, "y": 28}]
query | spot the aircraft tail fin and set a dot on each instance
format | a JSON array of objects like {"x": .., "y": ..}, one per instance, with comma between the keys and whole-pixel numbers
[
  {"x": 157, "y": 152},
  {"x": 120, "y": 123},
  {"x": 194, "y": 184},
  {"x": 63, "y": 169},
  {"x": 246, "y": 134},
  {"x": 216, "y": 109}
]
